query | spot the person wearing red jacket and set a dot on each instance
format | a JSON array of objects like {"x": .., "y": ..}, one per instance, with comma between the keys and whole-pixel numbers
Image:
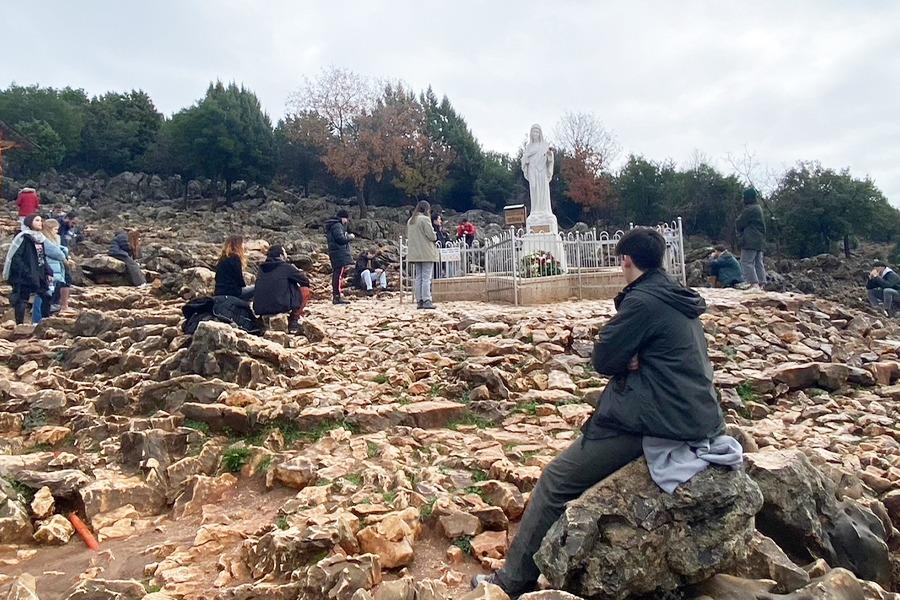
[
  {"x": 29, "y": 203},
  {"x": 466, "y": 230}
]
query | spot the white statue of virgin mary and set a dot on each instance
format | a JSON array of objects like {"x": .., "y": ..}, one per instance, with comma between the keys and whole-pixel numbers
[{"x": 537, "y": 166}]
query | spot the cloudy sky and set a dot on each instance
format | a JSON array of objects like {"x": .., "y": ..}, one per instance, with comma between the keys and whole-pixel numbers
[{"x": 811, "y": 80}]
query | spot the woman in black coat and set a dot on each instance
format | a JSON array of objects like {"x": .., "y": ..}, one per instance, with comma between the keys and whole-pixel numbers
[
  {"x": 338, "y": 252},
  {"x": 230, "y": 270},
  {"x": 26, "y": 268}
]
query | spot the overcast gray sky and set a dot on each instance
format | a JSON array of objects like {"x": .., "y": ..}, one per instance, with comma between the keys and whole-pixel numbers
[{"x": 812, "y": 80}]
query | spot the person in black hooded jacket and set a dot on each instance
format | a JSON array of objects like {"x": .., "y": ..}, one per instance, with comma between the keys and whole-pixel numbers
[
  {"x": 279, "y": 288},
  {"x": 661, "y": 385},
  {"x": 338, "y": 252}
]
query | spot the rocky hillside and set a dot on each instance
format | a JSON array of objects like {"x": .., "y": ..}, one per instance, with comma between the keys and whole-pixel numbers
[{"x": 388, "y": 453}]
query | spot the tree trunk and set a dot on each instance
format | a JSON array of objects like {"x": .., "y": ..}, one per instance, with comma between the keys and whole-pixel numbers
[
  {"x": 846, "y": 245},
  {"x": 185, "y": 193},
  {"x": 227, "y": 191}
]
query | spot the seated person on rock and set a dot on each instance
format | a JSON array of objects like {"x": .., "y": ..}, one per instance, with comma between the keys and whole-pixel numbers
[
  {"x": 126, "y": 246},
  {"x": 660, "y": 390},
  {"x": 883, "y": 288},
  {"x": 230, "y": 270},
  {"x": 725, "y": 270},
  {"x": 70, "y": 231},
  {"x": 368, "y": 272},
  {"x": 281, "y": 288}
]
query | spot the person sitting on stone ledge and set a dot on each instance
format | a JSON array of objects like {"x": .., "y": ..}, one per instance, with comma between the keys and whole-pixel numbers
[
  {"x": 367, "y": 272},
  {"x": 725, "y": 270},
  {"x": 230, "y": 270},
  {"x": 660, "y": 397},
  {"x": 883, "y": 288},
  {"x": 281, "y": 288},
  {"x": 126, "y": 246}
]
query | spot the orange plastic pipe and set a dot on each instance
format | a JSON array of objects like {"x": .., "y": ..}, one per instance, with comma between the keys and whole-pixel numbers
[{"x": 84, "y": 532}]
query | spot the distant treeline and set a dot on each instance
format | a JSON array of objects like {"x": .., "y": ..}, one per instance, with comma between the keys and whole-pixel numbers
[{"x": 385, "y": 144}]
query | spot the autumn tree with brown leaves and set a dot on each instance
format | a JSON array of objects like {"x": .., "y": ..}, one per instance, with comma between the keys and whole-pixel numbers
[{"x": 587, "y": 150}]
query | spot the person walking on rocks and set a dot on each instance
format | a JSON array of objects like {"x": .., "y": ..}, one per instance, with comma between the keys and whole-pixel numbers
[
  {"x": 230, "y": 270},
  {"x": 751, "y": 230},
  {"x": 338, "y": 252},
  {"x": 54, "y": 249},
  {"x": 725, "y": 270},
  {"x": 883, "y": 288},
  {"x": 281, "y": 288},
  {"x": 28, "y": 203},
  {"x": 422, "y": 253},
  {"x": 661, "y": 390},
  {"x": 27, "y": 271},
  {"x": 126, "y": 246}
]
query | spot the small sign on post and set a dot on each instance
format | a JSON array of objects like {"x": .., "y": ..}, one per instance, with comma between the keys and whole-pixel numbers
[{"x": 515, "y": 215}]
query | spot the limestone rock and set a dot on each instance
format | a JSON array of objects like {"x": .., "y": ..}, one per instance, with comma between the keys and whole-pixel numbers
[
  {"x": 15, "y": 526},
  {"x": 549, "y": 595},
  {"x": 55, "y": 531},
  {"x": 625, "y": 536},
  {"x": 339, "y": 577},
  {"x": 203, "y": 490},
  {"x": 24, "y": 587},
  {"x": 505, "y": 495},
  {"x": 837, "y": 584},
  {"x": 108, "y": 589},
  {"x": 296, "y": 473},
  {"x": 65, "y": 482},
  {"x": 486, "y": 591},
  {"x": 115, "y": 492},
  {"x": 458, "y": 524},
  {"x": 43, "y": 504},
  {"x": 392, "y": 538},
  {"x": 805, "y": 518},
  {"x": 767, "y": 561}
]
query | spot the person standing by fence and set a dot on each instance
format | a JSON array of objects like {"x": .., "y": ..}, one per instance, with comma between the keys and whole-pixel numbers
[
  {"x": 338, "y": 252},
  {"x": 423, "y": 253}
]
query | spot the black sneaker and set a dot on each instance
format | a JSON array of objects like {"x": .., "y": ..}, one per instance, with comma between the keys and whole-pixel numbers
[
  {"x": 418, "y": 304},
  {"x": 294, "y": 327},
  {"x": 428, "y": 305},
  {"x": 339, "y": 300},
  {"x": 370, "y": 293}
]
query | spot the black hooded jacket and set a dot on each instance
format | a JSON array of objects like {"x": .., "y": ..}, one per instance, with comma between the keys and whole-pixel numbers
[
  {"x": 338, "y": 243},
  {"x": 671, "y": 393},
  {"x": 278, "y": 287}
]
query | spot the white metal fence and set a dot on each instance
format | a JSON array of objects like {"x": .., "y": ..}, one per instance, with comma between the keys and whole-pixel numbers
[{"x": 503, "y": 261}]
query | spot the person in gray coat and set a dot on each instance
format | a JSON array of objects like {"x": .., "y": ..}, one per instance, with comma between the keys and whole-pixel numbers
[
  {"x": 751, "y": 230},
  {"x": 422, "y": 252}
]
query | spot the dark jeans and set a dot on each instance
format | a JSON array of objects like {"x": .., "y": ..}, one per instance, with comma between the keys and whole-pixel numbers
[
  {"x": 135, "y": 274},
  {"x": 19, "y": 301},
  {"x": 337, "y": 282},
  {"x": 579, "y": 467}
]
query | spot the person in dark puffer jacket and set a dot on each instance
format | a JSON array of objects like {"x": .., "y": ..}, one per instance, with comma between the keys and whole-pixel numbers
[
  {"x": 883, "y": 288},
  {"x": 281, "y": 288},
  {"x": 751, "y": 230},
  {"x": 661, "y": 385},
  {"x": 338, "y": 252}
]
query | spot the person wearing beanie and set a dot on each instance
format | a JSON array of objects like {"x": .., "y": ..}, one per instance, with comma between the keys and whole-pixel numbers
[
  {"x": 281, "y": 288},
  {"x": 751, "y": 231},
  {"x": 338, "y": 252},
  {"x": 27, "y": 271}
]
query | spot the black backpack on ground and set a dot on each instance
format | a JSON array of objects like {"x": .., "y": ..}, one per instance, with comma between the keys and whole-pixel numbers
[{"x": 224, "y": 309}]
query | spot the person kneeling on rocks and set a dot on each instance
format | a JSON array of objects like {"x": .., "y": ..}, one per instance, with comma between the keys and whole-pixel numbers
[
  {"x": 126, "y": 246},
  {"x": 725, "y": 270},
  {"x": 281, "y": 288},
  {"x": 883, "y": 288},
  {"x": 659, "y": 398},
  {"x": 367, "y": 272}
]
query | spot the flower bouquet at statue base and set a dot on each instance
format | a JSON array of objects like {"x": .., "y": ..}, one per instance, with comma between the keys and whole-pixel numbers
[{"x": 539, "y": 264}]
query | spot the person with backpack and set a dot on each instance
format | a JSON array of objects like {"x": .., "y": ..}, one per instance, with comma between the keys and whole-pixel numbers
[
  {"x": 751, "y": 231},
  {"x": 281, "y": 288},
  {"x": 338, "y": 252}
]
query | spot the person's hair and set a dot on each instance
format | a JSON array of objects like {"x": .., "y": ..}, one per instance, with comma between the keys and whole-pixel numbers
[
  {"x": 422, "y": 208},
  {"x": 645, "y": 246},
  {"x": 720, "y": 248},
  {"x": 750, "y": 196},
  {"x": 275, "y": 251},
  {"x": 72, "y": 215},
  {"x": 343, "y": 214},
  {"x": 234, "y": 246},
  {"x": 880, "y": 264},
  {"x": 29, "y": 220},
  {"x": 51, "y": 230},
  {"x": 134, "y": 240}
]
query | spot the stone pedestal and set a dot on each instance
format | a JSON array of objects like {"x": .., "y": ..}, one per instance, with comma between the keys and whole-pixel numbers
[{"x": 542, "y": 223}]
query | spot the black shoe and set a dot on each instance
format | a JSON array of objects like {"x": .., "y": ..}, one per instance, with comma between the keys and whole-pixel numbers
[
  {"x": 418, "y": 304},
  {"x": 479, "y": 579},
  {"x": 427, "y": 305},
  {"x": 370, "y": 293},
  {"x": 294, "y": 327},
  {"x": 340, "y": 300}
]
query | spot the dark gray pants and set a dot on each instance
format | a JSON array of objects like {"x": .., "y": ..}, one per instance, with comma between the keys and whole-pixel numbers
[
  {"x": 579, "y": 467},
  {"x": 753, "y": 267}
]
